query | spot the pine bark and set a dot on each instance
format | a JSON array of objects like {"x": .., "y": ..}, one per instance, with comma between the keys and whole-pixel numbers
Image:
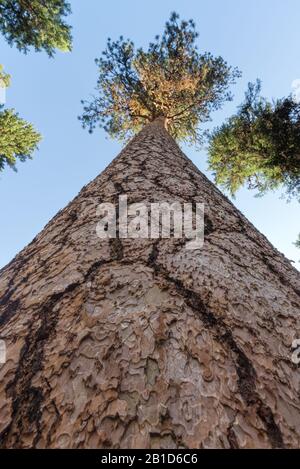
[{"x": 128, "y": 343}]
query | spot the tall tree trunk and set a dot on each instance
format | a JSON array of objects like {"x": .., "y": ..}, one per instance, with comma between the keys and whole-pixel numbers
[{"x": 143, "y": 343}]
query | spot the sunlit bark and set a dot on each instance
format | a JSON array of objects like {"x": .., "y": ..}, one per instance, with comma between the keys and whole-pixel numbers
[{"x": 143, "y": 343}]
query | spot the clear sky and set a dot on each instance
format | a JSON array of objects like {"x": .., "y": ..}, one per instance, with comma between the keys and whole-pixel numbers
[{"x": 261, "y": 37}]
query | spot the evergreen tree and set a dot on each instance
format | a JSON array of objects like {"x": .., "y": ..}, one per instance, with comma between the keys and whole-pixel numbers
[
  {"x": 141, "y": 343},
  {"x": 18, "y": 139},
  {"x": 170, "y": 79},
  {"x": 259, "y": 146},
  {"x": 124, "y": 343},
  {"x": 36, "y": 23}
]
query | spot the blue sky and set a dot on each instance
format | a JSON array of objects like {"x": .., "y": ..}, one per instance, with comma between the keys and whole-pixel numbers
[{"x": 261, "y": 37}]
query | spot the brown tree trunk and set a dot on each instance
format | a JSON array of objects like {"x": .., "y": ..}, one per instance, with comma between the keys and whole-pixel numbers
[{"x": 127, "y": 343}]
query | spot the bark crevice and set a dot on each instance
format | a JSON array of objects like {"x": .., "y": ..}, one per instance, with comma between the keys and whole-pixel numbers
[{"x": 244, "y": 368}]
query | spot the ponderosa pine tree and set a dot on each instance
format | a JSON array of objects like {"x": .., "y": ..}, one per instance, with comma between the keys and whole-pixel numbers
[
  {"x": 171, "y": 79},
  {"x": 36, "y": 23},
  {"x": 138, "y": 342}
]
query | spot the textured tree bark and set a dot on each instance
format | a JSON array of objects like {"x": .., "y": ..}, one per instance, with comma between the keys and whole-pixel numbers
[{"x": 127, "y": 343}]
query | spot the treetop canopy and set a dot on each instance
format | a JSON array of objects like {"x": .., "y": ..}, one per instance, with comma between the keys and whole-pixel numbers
[{"x": 171, "y": 79}]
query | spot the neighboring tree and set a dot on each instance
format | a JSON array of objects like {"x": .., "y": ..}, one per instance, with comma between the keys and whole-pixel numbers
[
  {"x": 36, "y": 23},
  {"x": 18, "y": 139},
  {"x": 297, "y": 243},
  {"x": 26, "y": 23},
  {"x": 259, "y": 146},
  {"x": 170, "y": 79}
]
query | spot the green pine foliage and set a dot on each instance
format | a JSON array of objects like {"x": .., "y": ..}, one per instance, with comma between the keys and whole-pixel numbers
[
  {"x": 18, "y": 139},
  {"x": 28, "y": 23},
  {"x": 171, "y": 79},
  {"x": 259, "y": 146},
  {"x": 36, "y": 23}
]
